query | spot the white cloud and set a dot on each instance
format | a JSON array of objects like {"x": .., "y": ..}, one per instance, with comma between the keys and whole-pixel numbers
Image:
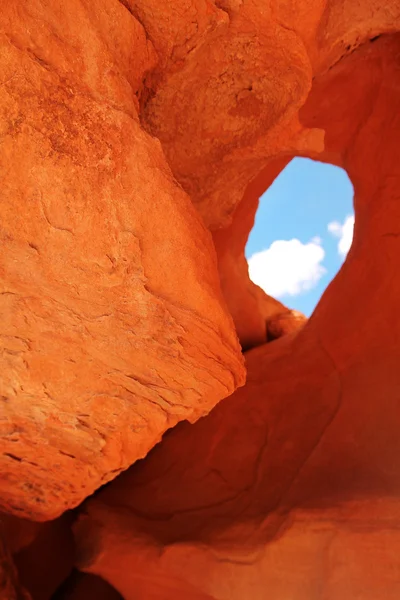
[
  {"x": 344, "y": 233},
  {"x": 288, "y": 267}
]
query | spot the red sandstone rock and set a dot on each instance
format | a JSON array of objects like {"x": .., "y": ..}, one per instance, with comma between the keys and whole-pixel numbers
[
  {"x": 113, "y": 325},
  {"x": 18, "y": 533},
  {"x": 218, "y": 116},
  {"x": 249, "y": 306},
  {"x": 10, "y": 588},
  {"x": 48, "y": 560},
  {"x": 284, "y": 324},
  {"x": 226, "y": 112},
  {"x": 43, "y": 553},
  {"x": 292, "y": 485}
]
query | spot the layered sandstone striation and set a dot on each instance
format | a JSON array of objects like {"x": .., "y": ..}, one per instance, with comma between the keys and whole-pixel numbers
[{"x": 136, "y": 139}]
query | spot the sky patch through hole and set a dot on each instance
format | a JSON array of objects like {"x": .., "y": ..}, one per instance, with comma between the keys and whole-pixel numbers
[{"x": 302, "y": 232}]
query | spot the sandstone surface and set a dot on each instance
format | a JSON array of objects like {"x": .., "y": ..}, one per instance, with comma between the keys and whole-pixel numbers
[
  {"x": 113, "y": 324},
  {"x": 292, "y": 485},
  {"x": 136, "y": 138}
]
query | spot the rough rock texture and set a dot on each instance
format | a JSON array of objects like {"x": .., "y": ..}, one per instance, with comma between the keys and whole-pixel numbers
[
  {"x": 113, "y": 325},
  {"x": 127, "y": 130},
  {"x": 292, "y": 485}
]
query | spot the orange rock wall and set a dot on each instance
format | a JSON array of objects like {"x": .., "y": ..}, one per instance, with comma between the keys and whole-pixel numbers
[
  {"x": 136, "y": 140},
  {"x": 113, "y": 327}
]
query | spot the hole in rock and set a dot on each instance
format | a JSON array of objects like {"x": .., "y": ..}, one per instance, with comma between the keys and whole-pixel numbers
[{"x": 302, "y": 233}]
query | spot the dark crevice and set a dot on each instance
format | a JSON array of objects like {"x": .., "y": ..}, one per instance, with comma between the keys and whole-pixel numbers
[
  {"x": 17, "y": 458},
  {"x": 125, "y": 3}
]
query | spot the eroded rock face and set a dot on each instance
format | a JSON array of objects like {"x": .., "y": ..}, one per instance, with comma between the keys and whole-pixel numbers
[
  {"x": 129, "y": 129},
  {"x": 292, "y": 485},
  {"x": 285, "y": 323},
  {"x": 113, "y": 326}
]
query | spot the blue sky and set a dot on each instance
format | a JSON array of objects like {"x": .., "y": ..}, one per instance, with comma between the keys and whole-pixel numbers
[{"x": 302, "y": 232}]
